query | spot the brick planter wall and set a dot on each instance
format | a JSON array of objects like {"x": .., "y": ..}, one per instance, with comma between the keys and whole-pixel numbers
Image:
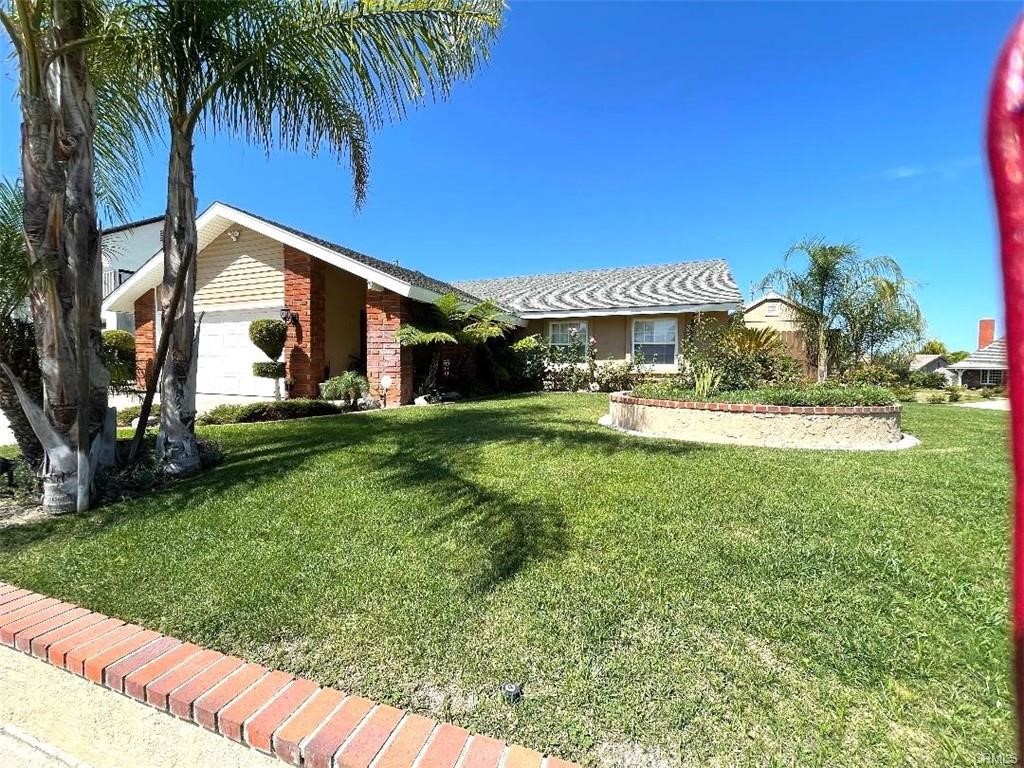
[
  {"x": 778, "y": 426},
  {"x": 385, "y": 312},
  {"x": 304, "y": 347},
  {"x": 145, "y": 336}
]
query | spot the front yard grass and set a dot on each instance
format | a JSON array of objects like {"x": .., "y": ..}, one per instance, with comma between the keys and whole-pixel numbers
[{"x": 662, "y": 603}]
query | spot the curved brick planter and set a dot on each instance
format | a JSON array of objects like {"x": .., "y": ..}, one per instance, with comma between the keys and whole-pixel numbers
[{"x": 875, "y": 427}]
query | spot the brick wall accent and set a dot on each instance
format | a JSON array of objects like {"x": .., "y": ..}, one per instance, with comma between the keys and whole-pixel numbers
[
  {"x": 385, "y": 312},
  {"x": 304, "y": 347},
  {"x": 294, "y": 719},
  {"x": 145, "y": 336}
]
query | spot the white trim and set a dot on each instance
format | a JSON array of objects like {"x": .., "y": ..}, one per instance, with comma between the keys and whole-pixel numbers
[
  {"x": 149, "y": 274},
  {"x": 657, "y": 367},
  {"x": 241, "y": 306},
  {"x": 582, "y": 314}
]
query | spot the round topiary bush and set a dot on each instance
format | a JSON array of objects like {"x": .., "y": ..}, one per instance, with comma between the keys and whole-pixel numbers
[{"x": 269, "y": 336}]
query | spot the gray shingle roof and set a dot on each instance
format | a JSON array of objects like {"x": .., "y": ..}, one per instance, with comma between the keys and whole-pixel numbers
[
  {"x": 411, "y": 276},
  {"x": 656, "y": 285},
  {"x": 992, "y": 357},
  {"x": 917, "y": 362}
]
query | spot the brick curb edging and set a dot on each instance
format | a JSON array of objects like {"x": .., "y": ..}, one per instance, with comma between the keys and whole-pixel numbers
[
  {"x": 269, "y": 710},
  {"x": 802, "y": 410}
]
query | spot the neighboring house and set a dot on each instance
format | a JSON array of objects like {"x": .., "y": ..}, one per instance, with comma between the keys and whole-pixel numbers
[
  {"x": 986, "y": 367},
  {"x": 932, "y": 364},
  {"x": 629, "y": 311},
  {"x": 125, "y": 249},
  {"x": 778, "y": 312},
  {"x": 344, "y": 307}
]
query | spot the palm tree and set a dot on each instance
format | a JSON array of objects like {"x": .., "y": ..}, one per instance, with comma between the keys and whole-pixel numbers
[
  {"x": 830, "y": 282},
  {"x": 454, "y": 323},
  {"x": 279, "y": 73},
  {"x": 55, "y": 42}
]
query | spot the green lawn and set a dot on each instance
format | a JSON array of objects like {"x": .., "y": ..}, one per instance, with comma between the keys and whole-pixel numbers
[{"x": 662, "y": 602}]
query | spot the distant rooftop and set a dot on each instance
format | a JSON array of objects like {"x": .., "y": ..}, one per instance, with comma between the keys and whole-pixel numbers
[{"x": 992, "y": 357}]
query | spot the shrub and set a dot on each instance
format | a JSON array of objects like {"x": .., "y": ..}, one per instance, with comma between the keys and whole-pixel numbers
[
  {"x": 809, "y": 395},
  {"x": 118, "y": 355},
  {"x": 929, "y": 380},
  {"x": 268, "y": 370},
  {"x": 348, "y": 386},
  {"x": 745, "y": 357},
  {"x": 275, "y": 410},
  {"x": 128, "y": 414},
  {"x": 937, "y": 397},
  {"x": 871, "y": 373},
  {"x": 904, "y": 394},
  {"x": 990, "y": 392},
  {"x": 269, "y": 336},
  {"x": 955, "y": 392},
  {"x": 615, "y": 376}
]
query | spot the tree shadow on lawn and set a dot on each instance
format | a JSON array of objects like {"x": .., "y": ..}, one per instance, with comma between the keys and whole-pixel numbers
[{"x": 438, "y": 449}]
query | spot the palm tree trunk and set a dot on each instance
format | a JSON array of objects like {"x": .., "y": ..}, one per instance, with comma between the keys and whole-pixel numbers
[
  {"x": 822, "y": 353},
  {"x": 176, "y": 444},
  {"x": 62, "y": 235}
]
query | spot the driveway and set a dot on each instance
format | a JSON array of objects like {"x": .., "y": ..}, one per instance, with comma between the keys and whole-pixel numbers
[
  {"x": 203, "y": 404},
  {"x": 988, "y": 405}
]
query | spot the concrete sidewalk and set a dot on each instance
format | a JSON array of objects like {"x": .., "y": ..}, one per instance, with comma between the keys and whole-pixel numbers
[{"x": 50, "y": 718}]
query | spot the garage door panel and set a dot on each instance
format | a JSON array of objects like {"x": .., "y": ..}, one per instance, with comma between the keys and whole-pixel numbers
[{"x": 226, "y": 355}]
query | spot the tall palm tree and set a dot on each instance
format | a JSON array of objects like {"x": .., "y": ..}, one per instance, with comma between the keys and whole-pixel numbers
[
  {"x": 298, "y": 74},
  {"x": 832, "y": 276},
  {"x": 56, "y": 45}
]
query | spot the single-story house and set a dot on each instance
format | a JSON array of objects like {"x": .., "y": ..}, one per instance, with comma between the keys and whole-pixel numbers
[
  {"x": 343, "y": 307},
  {"x": 628, "y": 311},
  {"x": 921, "y": 363},
  {"x": 987, "y": 367}
]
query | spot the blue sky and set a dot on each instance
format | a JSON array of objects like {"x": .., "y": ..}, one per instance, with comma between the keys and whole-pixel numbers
[{"x": 605, "y": 134}]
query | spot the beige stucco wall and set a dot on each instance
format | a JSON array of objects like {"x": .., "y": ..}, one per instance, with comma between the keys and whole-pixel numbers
[
  {"x": 247, "y": 272},
  {"x": 757, "y": 317},
  {"x": 861, "y": 431},
  {"x": 344, "y": 300},
  {"x": 614, "y": 333}
]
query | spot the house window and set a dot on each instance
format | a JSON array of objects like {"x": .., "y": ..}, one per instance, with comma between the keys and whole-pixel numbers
[
  {"x": 772, "y": 310},
  {"x": 655, "y": 341},
  {"x": 566, "y": 332},
  {"x": 991, "y": 378}
]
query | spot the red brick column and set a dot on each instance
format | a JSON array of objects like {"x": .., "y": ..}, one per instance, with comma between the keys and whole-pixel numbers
[
  {"x": 145, "y": 336},
  {"x": 304, "y": 347},
  {"x": 385, "y": 312}
]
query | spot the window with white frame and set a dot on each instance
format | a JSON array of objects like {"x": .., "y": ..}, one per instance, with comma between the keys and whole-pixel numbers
[
  {"x": 562, "y": 333},
  {"x": 993, "y": 378},
  {"x": 655, "y": 341},
  {"x": 772, "y": 310}
]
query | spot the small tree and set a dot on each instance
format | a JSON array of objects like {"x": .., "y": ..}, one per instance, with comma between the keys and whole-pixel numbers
[{"x": 269, "y": 337}]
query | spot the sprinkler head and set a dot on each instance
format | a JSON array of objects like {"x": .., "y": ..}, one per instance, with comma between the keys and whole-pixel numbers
[{"x": 512, "y": 692}]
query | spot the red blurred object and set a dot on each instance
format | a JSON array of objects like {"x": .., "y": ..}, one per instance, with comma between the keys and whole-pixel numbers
[{"x": 1006, "y": 163}]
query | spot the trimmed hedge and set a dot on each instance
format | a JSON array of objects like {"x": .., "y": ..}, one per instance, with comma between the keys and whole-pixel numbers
[
  {"x": 269, "y": 336},
  {"x": 810, "y": 395},
  {"x": 273, "y": 410},
  {"x": 268, "y": 370}
]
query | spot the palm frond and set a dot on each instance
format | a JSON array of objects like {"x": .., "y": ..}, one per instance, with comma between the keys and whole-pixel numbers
[{"x": 411, "y": 336}]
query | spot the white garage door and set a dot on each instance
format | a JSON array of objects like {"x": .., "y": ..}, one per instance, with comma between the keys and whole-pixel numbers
[{"x": 226, "y": 355}]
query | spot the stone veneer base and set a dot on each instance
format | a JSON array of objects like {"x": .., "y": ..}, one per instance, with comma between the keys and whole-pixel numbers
[{"x": 855, "y": 428}]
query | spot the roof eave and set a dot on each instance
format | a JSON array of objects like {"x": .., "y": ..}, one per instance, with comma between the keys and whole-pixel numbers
[{"x": 662, "y": 309}]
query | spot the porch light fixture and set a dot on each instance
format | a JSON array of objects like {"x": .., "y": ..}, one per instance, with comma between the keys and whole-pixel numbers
[{"x": 292, "y": 318}]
